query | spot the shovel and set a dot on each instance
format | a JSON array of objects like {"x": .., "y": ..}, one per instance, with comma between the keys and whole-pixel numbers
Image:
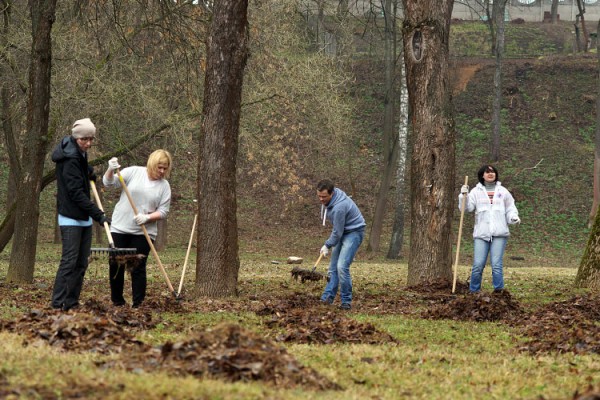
[
  {"x": 152, "y": 248},
  {"x": 111, "y": 250},
  {"x": 462, "y": 214}
]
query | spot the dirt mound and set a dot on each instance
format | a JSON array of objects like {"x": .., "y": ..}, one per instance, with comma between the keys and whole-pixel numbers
[
  {"x": 568, "y": 326},
  {"x": 231, "y": 353},
  {"x": 497, "y": 306}
]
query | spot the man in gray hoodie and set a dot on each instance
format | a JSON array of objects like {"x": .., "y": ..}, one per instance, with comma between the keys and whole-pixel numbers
[{"x": 346, "y": 236}]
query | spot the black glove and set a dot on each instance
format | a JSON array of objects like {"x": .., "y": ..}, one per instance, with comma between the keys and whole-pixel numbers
[
  {"x": 104, "y": 219},
  {"x": 91, "y": 175}
]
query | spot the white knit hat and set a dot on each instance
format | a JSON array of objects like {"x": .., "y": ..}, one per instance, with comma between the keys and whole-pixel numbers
[{"x": 83, "y": 128}]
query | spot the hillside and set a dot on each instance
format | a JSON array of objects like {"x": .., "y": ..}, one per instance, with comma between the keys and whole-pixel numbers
[
  {"x": 547, "y": 148},
  {"x": 548, "y": 123}
]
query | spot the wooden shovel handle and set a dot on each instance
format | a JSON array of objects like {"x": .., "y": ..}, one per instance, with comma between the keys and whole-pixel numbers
[
  {"x": 148, "y": 239},
  {"x": 460, "y": 225},
  {"x": 111, "y": 242}
]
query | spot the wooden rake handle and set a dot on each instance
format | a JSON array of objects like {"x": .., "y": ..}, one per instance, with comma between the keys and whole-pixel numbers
[
  {"x": 111, "y": 242},
  {"x": 187, "y": 255},
  {"x": 148, "y": 239},
  {"x": 460, "y": 225},
  {"x": 317, "y": 263}
]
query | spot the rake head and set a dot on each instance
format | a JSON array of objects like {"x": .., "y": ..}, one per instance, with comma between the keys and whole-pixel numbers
[
  {"x": 307, "y": 275},
  {"x": 113, "y": 251}
]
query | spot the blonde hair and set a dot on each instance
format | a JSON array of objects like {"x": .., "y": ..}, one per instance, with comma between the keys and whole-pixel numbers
[{"x": 159, "y": 156}]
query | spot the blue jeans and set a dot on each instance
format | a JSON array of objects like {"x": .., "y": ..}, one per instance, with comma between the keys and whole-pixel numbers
[
  {"x": 76, "y": 245},
  {"x": 481, "y": 248},
  {"x": 342, "y": 256}
]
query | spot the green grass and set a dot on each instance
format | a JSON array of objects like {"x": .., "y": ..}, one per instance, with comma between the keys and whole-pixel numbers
[{"x": 431, "y": 359}]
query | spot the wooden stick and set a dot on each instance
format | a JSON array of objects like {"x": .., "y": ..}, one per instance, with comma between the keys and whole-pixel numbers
[
  {"x": 111, "y": 242},
  {"x": 187, "y": 254},
  {"x": 460, "y": 225},
  {"x": 148, "y": 239},
  {"x": 317, "y": 263}
]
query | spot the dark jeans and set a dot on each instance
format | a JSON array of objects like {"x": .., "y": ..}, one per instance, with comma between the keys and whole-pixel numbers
[
  {"x": 138, "y": 273},
  {"x": 76, "y": 245}
]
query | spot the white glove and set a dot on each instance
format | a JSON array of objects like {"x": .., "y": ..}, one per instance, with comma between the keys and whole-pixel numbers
[
  {"x": 464, "y": 189},
  {"x": 515, "y": 220},
  {"x": 113, "y": 163},
  {"x": 324, "y": 250},
  {"x": 141, "y": 219}
]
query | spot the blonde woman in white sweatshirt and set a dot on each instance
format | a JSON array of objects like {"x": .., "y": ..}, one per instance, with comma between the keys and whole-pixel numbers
[{"x": 151, "y": 194}]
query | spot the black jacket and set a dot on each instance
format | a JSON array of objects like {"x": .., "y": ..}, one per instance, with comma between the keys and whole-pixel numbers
[{"x": 72, "y": 177}]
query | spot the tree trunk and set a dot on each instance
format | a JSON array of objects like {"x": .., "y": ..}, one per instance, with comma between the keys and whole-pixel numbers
[
  {"x": 586, "y": 36},
  {"x": 499, "y": 7},
  {"x": 390, "y": 142},
  {"x": 217, "y": 261},
  {"x": 426, "y": 36},
  {"x": 596, "y": 174},
  {"x": 554, "y": 11},
  {"x": 397, "y": 239},
  {"x": 29, "y": 181},
  {"x": 161, "y": 237},
  {"x": 588, "y": 274}
]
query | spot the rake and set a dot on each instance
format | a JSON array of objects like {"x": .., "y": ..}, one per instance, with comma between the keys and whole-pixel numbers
[
  {"x": 111, "y": 250},
  {"x": 308, "y": 274}
]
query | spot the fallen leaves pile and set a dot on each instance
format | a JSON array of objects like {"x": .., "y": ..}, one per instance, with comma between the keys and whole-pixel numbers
[
  {"x": 91, "y": 328},
  {"x": 303, "y": 319},
  {"x": 231, "y": 353},
  {"x": 567, "y": 326},
  {"x": 497, "y": 306}
]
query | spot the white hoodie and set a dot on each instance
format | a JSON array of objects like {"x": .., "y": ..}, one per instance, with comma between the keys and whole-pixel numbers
[{"x": 491, "y": 219}]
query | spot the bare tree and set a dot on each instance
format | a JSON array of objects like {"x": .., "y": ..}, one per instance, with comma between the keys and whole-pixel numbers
[
  {"x": 426, "y": 32},
  {"x": 499, "y": 7},
  {"x": 588, "y": 274},
  {"x": 31, "y": 168},
  {"x": 596, "y": 175},
  {"x": 580, "y": 18},
  {"x": 554, "y": 11},
  {"x": 397, "y": 239},
  {"x": 390, "y": 140},
  {"x": 217, "y": 262}
]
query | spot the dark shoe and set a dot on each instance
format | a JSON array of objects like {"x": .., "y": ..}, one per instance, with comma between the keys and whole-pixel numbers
[
  {"x": 72, "y": 307},
  {"x": 498, "y": 291},
  {"x": 119, "y": 304},
  {"x": 328, "y": 301},
  {"x": 136, "y": 305},
  {"x": 345, "y": 306}
]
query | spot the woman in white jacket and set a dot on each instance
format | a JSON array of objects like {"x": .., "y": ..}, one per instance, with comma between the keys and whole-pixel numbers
[{"x": 494, "y": 209}]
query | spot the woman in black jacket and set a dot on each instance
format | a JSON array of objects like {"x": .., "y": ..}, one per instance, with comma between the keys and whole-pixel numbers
[{"x": 75, "y": 212}]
